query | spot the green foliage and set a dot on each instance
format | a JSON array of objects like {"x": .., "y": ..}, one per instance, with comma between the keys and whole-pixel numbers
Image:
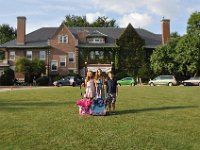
[
  {"x": 42, "y": 81},
  {"x": 131, "y": 54},
  {"x": 104, "y": 22},
  {"x": 38, "y": 67},
  {"x": 7, "y": 33},
  {"x": 162, "y": 59},
  {"x": 76, "y": 21},
  {"x": 58, "y": 77},
  {"x": 30, "y": 68},
  {"x": 23, "y": 65},
  {"x": 181, "y": 55},
  {"x": 193, "y": 26},
  {"x": 81, "y": 21},
  {"x": 8, "y": 77},
  {"x": 188, "y": 55}
]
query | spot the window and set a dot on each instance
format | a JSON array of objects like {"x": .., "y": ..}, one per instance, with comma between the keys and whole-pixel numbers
[
  {"x": 63, "y": 39},
  {"x": 54, "y": 66},
  {"x": 12, "y": 55},
  {"x": 96, "y": 40},
  {"x": 29, "y": 55},
  {"x": 62, "y": 61},
  {"x": 71, "y": 57},
  {"x": 42, "y": 55},
  {"x": 92, "y": 55}
]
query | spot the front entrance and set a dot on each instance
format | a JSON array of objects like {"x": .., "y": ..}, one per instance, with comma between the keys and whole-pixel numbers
[{"x": 94, "y": 67}]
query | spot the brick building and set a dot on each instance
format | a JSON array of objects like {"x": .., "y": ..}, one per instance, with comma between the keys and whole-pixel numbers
[{"x": 62, "y": 48}]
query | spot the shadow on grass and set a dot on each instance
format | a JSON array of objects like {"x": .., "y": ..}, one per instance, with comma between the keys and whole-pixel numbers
[
  {"x": 130, "y": 111},
  {"x": 18, "y": 105}
]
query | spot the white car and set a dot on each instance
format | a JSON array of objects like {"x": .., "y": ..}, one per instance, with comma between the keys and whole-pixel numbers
[
  {"x": 168, "y": 80},
  {"x": 192, "y": 81}
]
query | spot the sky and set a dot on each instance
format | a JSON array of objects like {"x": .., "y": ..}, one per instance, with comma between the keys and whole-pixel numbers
[{"x": 145, "y": 14}]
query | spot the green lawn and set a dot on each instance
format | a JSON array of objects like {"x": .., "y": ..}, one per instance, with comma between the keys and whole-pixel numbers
[{"x": 159, "y": 118}]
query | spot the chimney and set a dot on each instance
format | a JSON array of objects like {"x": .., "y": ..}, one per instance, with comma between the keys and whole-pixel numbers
[
  {"x": 165, "y": 25},
  {"x": 21, "y": 30},
  {"x": 82, "y": 36}
]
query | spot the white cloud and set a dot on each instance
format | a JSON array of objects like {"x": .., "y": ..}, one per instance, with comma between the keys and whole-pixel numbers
[
  {"x": 117, "y": 6},
  {"x": 91, "y": 17},
  {"x": 136, "y": 19},
  {"x": 167, "y": 8}
]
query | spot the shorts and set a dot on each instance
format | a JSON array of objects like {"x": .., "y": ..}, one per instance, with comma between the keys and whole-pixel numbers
[{"x": 111, "y": 98}]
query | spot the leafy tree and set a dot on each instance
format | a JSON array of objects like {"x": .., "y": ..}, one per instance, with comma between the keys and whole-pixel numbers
[
  {"x": 193, "y": 25},
  {"x": 188, "y": 48},
  {"x": 81, "y": 21},
  {"x": 104, "y": 22},
  {"x": 131, "y": 51},
  {"x": 7, "y": 33},
  {"x": 30, "y": 68},
  {"x": 162, "y": 59},
  {"x": 188, "y": 55},
  {"x": 76, "y": 21},
  {"x": 38, "y": 67},
  {"x": 23, "y": 65},
  {"x": 8, "y": 77}
]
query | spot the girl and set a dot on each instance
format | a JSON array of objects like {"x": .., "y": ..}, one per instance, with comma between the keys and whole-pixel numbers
[
  {"x": 99, "y": 83},
  {"x": 90, "y": 85}
]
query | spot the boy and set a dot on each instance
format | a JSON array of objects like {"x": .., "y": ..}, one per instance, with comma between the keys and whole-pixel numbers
[{"x": 112, "y": 92}]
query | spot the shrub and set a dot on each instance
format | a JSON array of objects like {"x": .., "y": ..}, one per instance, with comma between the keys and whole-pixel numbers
[
  {"x": 58, "y": 77},
  {"x": 8, "y": 77},
  {"x": 42, "y": 81}
]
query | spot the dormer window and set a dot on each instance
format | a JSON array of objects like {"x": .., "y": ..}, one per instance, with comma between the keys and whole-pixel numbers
[
  {"x": 63, "y": 39},
  {"x": 96, "y": 37},
  {"x": 96, "y": 40}
]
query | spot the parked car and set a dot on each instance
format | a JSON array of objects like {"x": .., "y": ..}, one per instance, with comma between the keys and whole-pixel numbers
[
  {"x": 169, "y": 80},
  {"x": 192, "y": 81},
  {"x": 126, "y": 81},
  {"x": 69, "y": 80}
]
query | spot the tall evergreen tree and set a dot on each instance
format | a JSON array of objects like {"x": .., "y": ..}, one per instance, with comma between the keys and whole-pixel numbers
[{"x": 131, "y": 53}]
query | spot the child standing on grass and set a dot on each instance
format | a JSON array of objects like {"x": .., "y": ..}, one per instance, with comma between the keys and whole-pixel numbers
[
  {"x": 112, "y": 92},
  {"x": 90, "y": 85},
  {"x": 99, "y": 83}
]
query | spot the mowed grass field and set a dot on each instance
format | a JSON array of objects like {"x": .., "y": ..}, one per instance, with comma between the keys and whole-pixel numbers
[{"x": 157, "y": 118}]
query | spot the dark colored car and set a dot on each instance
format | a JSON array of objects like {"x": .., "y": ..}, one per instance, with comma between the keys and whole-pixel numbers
[
  {"x": 192, "y": 81},
  {"x": 69, "y": 80}
]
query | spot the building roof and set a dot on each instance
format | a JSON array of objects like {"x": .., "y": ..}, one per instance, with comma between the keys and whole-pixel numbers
[
  {"x": 39, "y": 38},
  {"x": 96, "y": 33}
]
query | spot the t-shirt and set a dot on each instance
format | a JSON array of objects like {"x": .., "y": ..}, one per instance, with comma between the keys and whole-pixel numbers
[{"x": 111, "y": 86}]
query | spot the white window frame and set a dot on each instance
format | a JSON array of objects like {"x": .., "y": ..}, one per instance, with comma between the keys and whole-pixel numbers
[
  {"x": 10, "y": 58},
  {"x": 73, "y": 57},
  {"x": 63, "y": 39},
  {"x": 43, "y": 54},
  {"x": 63, "y": 57},
  {"x": 96, "y": 40},
  {"x": 54, "y": 62},
  {"x": 30, "y": 55}
]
